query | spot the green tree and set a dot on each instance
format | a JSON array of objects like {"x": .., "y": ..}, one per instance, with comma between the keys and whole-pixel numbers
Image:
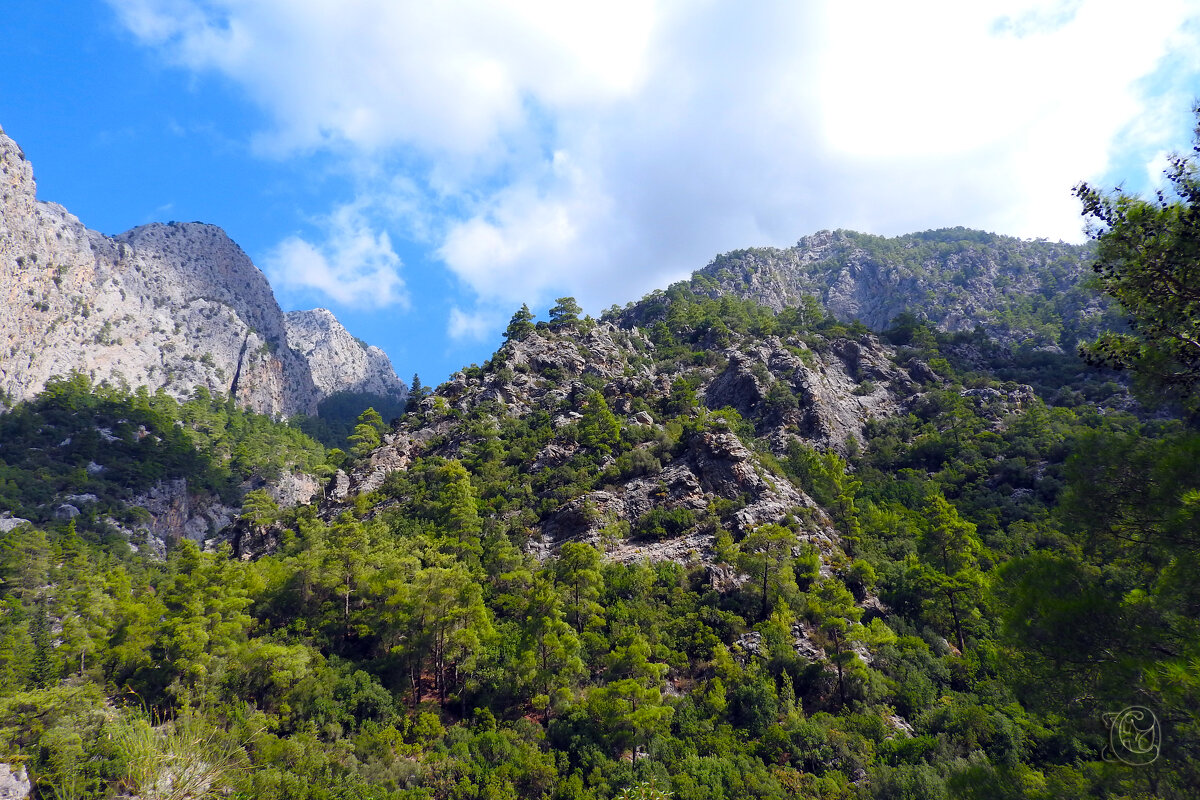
[
  {"x": 836, "y": 614},
  {"x": 520, "y": 326},
  {"x": 949, "y": 563},
  {"x": 1148, "y": 259},
  {"x": 550, "y": 645},
  {"x": 259, "y": 508},
  {"x": 629, "y": 713},
  {"x": 766, "y": 555},
  {"x": 367, "y": 433},
  {"x": 416, "y": 393},
  {"x": 578, "y": 570},
  {"x": 565, "y": 311},
  {"x": 599, "y": 429},
  {"x": 457, "y": 508}
]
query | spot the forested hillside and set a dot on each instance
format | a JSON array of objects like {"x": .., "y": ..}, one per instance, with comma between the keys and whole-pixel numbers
[{"x": 702, "y": 548}]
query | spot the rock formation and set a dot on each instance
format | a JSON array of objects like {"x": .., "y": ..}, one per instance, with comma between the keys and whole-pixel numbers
[
  {"x": 956, "y": 278},
  {"x": 174, "y": 306},
  {"x": 552, "y": 370},
  {"x": 340, "y": 362}
]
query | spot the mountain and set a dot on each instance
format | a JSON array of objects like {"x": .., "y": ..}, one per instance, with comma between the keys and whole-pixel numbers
[
  {"x": 722, "y": 543},
  {"x": 701, "y": 546},
  {"x": 174, "y": 306},
  {"x": 340, "y": 362},
  {"x": 957, "y": 278},
  {"x": 684, "y": 407}
]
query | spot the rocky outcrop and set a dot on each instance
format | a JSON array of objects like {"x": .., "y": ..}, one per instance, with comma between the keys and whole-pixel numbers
[
  {"x": 8, "y": 522},
  {"x": 956, "y": 278},
  {"x": 821, "y": 394},
  {"x": 174, "y": 511},
  {"x": 174, "y": 306},
  {"x": 340, "y": 362},
  {"x": 715, "y": 465},
  {"x": 14, "y": 783}
]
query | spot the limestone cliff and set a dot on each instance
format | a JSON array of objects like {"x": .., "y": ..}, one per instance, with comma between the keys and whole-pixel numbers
[
  {"x": 174, "y": 306},
  {"x": 551, "y": 372},
  {"x": 340, "y": 362}
]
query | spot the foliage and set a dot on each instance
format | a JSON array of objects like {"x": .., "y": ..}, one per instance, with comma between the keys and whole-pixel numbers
[
  {"x": 133, "y": 440},
  {"x": 975, "y": 585},
  {"x": 1148, "y": 259}
]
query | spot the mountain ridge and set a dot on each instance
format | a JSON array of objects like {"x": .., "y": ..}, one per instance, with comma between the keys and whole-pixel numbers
[
  {"x": 166, "y": 305},
  {"x": 1017, "y": 290}
]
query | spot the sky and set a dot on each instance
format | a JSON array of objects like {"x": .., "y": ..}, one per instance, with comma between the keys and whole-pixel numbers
[{"x": 422, "y": 169}]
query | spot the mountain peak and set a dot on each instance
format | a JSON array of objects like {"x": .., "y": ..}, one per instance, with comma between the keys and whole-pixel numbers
[
  {"x": 177, "y": 306},
  {"x": 338, "y": 360}
]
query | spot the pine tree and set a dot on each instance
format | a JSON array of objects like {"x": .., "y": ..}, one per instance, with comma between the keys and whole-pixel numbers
[
  {"x": 949, "y": 566},
  {"x": 766, "y": 556},
  {"x": 565, "y": 311},
  {"x": 599, "y": 429},
  {"x": 1148, "y": 259},
  {"x": 367, "y": 433},
  {"x": 520, "y": 326}
]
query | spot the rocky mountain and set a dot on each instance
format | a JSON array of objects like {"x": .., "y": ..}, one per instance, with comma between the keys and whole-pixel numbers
[
  {"x": 690, "y": 417},
  {"x": 340, "y": 362},
  {"x": 176, "y": 306},
  {"x": 956, "y": 278}
]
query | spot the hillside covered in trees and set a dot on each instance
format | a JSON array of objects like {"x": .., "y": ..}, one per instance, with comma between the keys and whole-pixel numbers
[{"x": 702, "y": 547}]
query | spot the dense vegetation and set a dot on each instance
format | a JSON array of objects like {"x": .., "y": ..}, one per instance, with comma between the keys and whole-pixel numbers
[
  {"x": 338, "y": 414},
  {"x": 80, "y": 439},
  {"x": 1015, "y": 569}
]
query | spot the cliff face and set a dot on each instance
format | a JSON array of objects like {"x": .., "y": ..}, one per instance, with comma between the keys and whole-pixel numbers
[
  {"x": 955, "y": 278},
  {"x": 339, "y": 362},
  {"x": 174, "y": 306}
]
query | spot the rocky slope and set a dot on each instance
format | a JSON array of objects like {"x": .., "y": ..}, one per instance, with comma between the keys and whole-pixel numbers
[
  {"x": 176, "y": 306},
  {"x": 956, "y": 278},
  {"x": 340, "y": 362},
  {"x": 679, "y": 457}
]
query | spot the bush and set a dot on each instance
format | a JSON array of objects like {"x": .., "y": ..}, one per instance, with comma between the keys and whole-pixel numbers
[{"x": 659, "y": 523}]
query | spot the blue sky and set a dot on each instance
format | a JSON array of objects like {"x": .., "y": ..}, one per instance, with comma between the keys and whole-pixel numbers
[{"x": 424, "y": 168}]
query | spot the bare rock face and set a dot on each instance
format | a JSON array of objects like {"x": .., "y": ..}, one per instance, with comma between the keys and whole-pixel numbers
[
  {"x": 174, "y": 511},
  {"x": 8, "y": 522},
  {"x": 14, "y": 783},
  {"x": 174, "y": 306},
  {"x": 339, "y": 362}
]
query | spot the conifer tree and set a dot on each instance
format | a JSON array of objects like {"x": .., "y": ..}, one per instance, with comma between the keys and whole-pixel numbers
[{"x": 520, "y": 326}]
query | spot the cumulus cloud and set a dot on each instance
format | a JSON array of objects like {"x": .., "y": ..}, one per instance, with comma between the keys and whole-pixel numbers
[
  {"x": 601, "y": 150},
  {"x": 353, "y": 264},
  {"x": 474, "y": 326}
]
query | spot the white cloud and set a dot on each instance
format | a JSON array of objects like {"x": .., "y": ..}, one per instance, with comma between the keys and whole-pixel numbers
[
  {"x": 449, "y": 78},
  {"x": 603, "y": 149},
  {"x": 354, "y": 265},
  {"x": 471, "y": 325}
]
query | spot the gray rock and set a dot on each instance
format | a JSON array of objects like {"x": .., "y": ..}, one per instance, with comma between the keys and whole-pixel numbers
[
  {"x": 175, "y": 513},
  {"x": 955, "y": 279},
  {"x": 8, "y": 522},
  {"x": 176, "y": 306},
  {"x": 341, "y": 486},
  {"x": 14, "y": 783},
  {"x": 66, "y": 511},
  {"x": 338, "y": 361}
]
